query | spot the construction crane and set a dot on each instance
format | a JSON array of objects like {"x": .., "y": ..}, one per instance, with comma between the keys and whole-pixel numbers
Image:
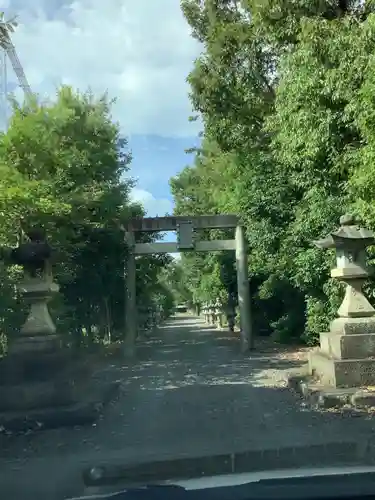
[{"x": 8, "y": 51}]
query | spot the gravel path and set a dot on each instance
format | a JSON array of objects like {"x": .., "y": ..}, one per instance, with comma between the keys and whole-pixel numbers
[{"x": 191, "y": 392}]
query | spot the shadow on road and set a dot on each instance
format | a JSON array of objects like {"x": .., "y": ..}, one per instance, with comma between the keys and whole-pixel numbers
[{"x": 190, "y": 393}]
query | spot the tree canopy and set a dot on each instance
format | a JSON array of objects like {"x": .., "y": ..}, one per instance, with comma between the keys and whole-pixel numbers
[
  {"x": 285, "y": 92},
  {"x": 65, "y": 166}
]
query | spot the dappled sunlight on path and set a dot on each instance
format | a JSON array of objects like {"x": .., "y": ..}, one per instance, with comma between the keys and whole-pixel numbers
[{"x": 189, "y": 392}]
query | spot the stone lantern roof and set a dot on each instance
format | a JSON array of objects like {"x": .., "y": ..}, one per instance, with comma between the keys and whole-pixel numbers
[{"x": 348, "y": 234}]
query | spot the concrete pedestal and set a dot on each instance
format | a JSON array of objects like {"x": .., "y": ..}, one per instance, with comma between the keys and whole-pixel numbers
[
  {"x": 49, "y": 389},
  {"x": 341, "y": 372},
  {"x": 346, "y": 357},
  {"x": 43, "y": 385}
]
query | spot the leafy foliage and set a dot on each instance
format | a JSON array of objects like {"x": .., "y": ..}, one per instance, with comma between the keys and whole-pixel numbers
[
  {"x": 286, "y": 95},
  {"x": 64, "y": 165}
]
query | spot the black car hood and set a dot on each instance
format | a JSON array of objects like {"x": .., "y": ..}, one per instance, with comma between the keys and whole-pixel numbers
[{"x": 253, "y": 481}]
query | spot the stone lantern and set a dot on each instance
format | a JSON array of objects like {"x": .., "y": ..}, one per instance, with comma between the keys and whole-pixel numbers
[
  {"x": 217, "y": 312},
  {"x": 42, "y": 382},
  {"x": 211, "y": 312},
  {"x": 346, "y": 354},
  {"x": 38, "y": 334}
]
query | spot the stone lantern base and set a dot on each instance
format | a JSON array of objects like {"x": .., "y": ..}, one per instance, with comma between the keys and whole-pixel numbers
[
  {"x": 346, "y": 356},
  {"x": 341, "y": 371},
  {"x": 42, "y": 384}
]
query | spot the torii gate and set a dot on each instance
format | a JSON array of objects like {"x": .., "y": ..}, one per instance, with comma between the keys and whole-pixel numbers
[{"x": 186, "y": 226}]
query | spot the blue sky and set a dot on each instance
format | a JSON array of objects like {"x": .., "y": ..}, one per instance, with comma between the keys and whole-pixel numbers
[{"x": 141, "y": 52}]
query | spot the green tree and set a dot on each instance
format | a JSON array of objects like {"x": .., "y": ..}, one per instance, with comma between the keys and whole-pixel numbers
[
  {"x": 65, "y": 167},
  {"x": 285, "y": 92}
]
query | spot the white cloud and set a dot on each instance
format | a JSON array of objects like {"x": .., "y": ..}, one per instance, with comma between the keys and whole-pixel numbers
[
  {"x": 140, "y": 50},
  {"x": 153, "y": 206}
]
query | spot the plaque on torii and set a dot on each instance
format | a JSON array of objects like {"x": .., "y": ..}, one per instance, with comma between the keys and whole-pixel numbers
[{"x": 185, "y": 235}]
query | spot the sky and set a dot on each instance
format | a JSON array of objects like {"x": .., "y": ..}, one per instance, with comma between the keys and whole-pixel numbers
[{"x": 141, "y": 52}]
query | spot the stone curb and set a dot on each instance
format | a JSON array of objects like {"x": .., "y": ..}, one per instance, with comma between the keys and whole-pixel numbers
[
  {"x": 103, "y": 476},
  {"x": 82, "y": 413},
  {"x": 349, "y": 399}
]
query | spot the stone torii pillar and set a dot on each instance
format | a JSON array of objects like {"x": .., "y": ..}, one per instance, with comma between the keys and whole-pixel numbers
[
  {"x": 130, "y": 297},
  {"x": 244, "y": 299}
]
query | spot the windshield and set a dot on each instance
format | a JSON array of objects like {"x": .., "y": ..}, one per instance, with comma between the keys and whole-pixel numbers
[{"x": 186, "y": 241}]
